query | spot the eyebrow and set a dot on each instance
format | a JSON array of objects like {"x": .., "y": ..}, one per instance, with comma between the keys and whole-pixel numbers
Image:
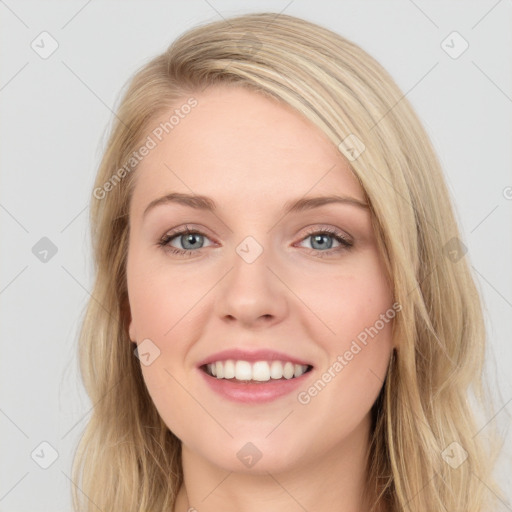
[{"x": 200, "y": 202}]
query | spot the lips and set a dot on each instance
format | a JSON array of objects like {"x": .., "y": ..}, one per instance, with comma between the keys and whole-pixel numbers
[
  {"x": 260, "y": 365},
  {"x": 254, "y": 391},
  {"x": 253, "y": 376}
]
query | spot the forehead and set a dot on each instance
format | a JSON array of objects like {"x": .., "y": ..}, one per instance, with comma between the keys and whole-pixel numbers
[{"x": 236, "y": 144}]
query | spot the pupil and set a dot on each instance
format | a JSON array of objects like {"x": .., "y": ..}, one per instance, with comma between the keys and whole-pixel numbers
[
  {"x": 318, "y": 238},
  {"x": 190, "y": 238}
]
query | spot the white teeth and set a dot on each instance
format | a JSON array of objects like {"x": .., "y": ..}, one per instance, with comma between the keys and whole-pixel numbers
[
  {"x": 276, "y": 370},
  {"x": 299, "y": 370},
  {"x": 229, "y": 369},
  {"x": 288, "y": 370},
  {"x": 219, "y": 370},
  {"x": 243, "y": 370},
  {"x": 260, "y": 371}
]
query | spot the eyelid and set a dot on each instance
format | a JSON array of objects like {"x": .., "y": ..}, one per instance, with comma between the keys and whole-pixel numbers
[
  {"x": 184, "y": 230},
  {"x": 318, "y": 228}
]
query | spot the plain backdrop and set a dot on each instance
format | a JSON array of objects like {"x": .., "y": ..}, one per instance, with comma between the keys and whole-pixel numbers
[{"x": 54, "y": 115}]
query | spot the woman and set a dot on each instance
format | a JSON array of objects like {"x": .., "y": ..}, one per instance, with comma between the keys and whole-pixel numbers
[{"x": 283, "y": 316}]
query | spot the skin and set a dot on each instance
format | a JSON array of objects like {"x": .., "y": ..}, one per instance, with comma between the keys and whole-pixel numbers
[{"x": 251, "y": 154}]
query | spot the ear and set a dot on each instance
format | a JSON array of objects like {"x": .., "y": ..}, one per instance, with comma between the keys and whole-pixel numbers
[
  {"x": 131, "y": 331},
  {"x": 128, "y": 321}
]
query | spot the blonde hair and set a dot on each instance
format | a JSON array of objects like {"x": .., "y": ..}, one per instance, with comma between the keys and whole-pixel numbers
[{"x": 127, "y": 459}]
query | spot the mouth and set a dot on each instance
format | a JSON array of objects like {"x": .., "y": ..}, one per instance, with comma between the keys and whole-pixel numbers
[{"x": 258, "y": 371}]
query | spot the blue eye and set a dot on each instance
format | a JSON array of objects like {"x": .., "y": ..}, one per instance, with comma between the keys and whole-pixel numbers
[
  {"x": 189, "y": 240},
  {"x": 193, "y": 241},
  {"x": 322, "y": 246}
]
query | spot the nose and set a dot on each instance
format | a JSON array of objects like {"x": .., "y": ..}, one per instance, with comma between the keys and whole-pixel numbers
[{"x": 251, "y": 294}]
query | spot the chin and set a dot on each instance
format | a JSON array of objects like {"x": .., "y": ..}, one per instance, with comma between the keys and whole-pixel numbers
[{"x": 256, "y": 456}]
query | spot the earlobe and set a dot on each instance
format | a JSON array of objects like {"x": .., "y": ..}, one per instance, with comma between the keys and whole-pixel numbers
[
  {"x": 128, "y": 321},
  {"x": 131, "y": 331}
]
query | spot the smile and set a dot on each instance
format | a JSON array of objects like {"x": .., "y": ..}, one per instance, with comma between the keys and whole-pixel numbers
[{"x": 259, "y": 371}]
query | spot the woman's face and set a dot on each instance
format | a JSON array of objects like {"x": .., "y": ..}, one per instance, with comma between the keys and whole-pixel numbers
[{"x": 263, "y": 287}]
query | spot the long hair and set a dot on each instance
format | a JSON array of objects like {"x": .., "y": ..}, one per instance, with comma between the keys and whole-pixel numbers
[{"x": 424, "y": 453}]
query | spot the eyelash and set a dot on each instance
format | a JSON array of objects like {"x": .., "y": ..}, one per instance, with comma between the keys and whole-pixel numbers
[{"x": 345, "y": 244}]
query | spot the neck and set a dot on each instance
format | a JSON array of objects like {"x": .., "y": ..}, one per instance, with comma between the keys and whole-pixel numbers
[{"x": 334, "y": 481}]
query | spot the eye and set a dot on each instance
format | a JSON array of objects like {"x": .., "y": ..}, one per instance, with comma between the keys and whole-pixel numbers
[
  {"x": 190, "y": 240},
  {"x": 322, "y": 241}
]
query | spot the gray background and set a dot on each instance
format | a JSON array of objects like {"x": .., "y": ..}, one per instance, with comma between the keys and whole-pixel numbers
[{"x": 54, "y": 114}]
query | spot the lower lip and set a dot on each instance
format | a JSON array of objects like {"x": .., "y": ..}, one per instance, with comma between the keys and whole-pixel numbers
[{"x": 253, "y": 391}]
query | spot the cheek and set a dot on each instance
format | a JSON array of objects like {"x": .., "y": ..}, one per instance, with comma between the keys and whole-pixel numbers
[
  {"x": 166, "y": 309},
  {"x": 365, "y": 331},
  {"x": 169, "y": 392},
  {"x": 160, "y": 299},
  {"x": 346, "y": 299},
  {"x": 342, "y": 394},
  {"x": 357, "y": 305}
]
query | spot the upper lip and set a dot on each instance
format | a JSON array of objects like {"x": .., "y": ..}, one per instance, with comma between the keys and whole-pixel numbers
[{"x": 252, "y": 356}]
